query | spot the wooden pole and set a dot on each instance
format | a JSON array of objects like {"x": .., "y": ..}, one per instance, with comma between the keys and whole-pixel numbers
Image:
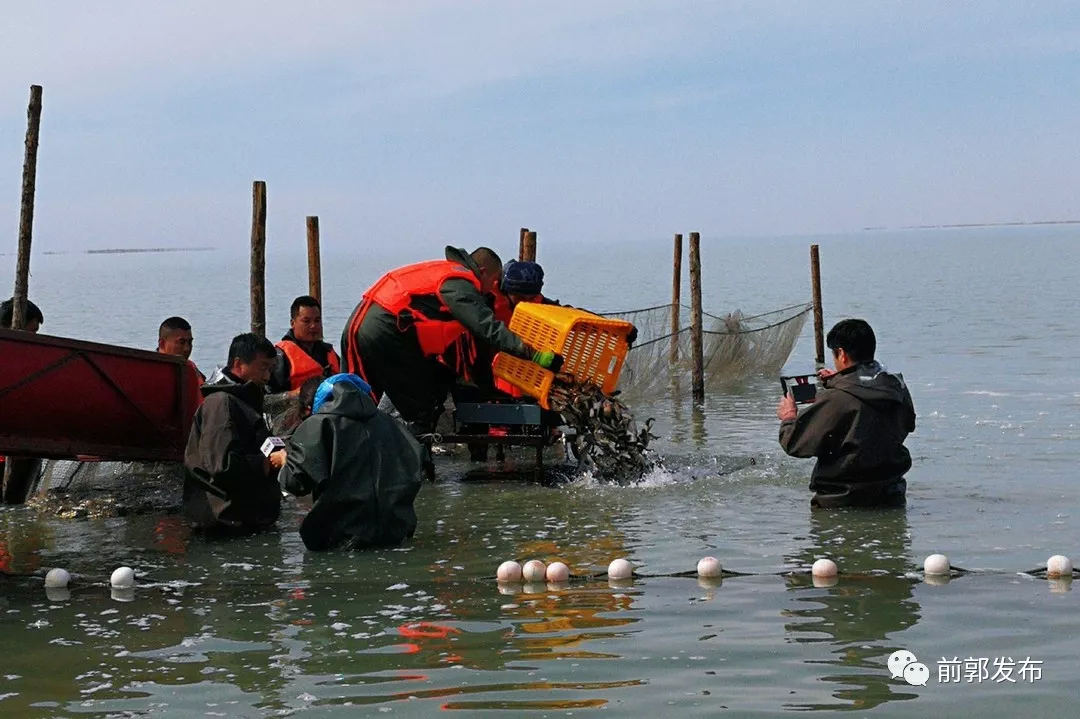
[
  {"x": 696, "y": 333},
  {"x": 521, "y": 243},
  {"x": 258, "y": 258},
  {"x": 529, "y": 255},
  {"x": 314, "y": 260},
  {"x": 819, "y": 324},
  {"x": 15, "y": 479},
  {"x": 676, "y": 299},
  {"x": 26, "y": 211}
]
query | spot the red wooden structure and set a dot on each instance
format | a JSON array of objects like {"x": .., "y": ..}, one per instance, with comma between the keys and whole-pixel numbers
[{"x": 64, "y": 398}]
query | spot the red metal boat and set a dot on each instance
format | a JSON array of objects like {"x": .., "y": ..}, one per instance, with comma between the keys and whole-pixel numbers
[{"x": 65, "y": 398}]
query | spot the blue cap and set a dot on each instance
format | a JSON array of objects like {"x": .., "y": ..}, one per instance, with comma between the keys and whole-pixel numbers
[
  {"x": 522, "y": 278},
  {"x": 327, "y": 388}
]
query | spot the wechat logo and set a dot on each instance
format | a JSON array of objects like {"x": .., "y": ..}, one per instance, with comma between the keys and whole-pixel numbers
[{"x": 904, "y": 665}]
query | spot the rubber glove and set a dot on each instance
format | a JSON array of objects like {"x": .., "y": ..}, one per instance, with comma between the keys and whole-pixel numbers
[
  {"x": 631, "y": 337},
  {"x": 548, "y": 360}
]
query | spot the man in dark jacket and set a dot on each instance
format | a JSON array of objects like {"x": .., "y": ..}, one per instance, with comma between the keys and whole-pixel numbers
[
  {"x": 397, "y": 337},
  {"x": 362, "y": 467},
  {"x": 856, "y": 426},
  {"x": 229, "y": 484}
]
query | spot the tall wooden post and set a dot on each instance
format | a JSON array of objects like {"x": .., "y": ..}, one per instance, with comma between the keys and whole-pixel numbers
[
  {"x": 26, "y": 210},
  {"x": 18, "y": 472},
  {"x": 258, "y": 258},
  {"x": 521, "y": 243},
  {"x": 314, "y": 260},
  {"x": 529, "y": 254},
  {"x": 697, "y": 331},
  {"x": 819, "y": 324},
  {"x": 676, "y": 299}
]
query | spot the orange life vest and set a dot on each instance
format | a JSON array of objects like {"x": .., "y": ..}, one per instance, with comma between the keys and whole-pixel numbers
[
  {"x": 200, "y": 380},
  {"x": 395, "y": 291},
  {"x": 504, "y": 312},
  {"x": 302, "y": 366}
]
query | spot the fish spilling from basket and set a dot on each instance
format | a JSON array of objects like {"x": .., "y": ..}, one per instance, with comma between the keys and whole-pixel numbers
[{"x": 606, "y": 440}]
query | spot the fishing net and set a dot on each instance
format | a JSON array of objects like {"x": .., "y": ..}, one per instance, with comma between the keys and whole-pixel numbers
[
  {"x": 735, "y": 346},
  {"x": 73, "y": 489}
]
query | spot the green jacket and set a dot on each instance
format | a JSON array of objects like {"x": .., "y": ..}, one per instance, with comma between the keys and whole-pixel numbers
[{"x": 362, "y": 468}]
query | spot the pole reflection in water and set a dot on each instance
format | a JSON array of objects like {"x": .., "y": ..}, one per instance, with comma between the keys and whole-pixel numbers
[
  {"x": 697, "y": 427},
  {"x": 861, "y": 615}
]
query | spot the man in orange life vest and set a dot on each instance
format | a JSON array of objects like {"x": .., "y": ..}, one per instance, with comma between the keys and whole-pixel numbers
[
  {"x": 301, "y": 353},
  {"x": 397, "y": 337}
]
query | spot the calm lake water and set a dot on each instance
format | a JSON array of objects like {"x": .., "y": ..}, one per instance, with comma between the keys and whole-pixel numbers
[{"x": 984, "y": 326}]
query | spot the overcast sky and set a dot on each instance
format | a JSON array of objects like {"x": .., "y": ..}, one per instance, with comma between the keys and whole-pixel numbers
[{"x": 410, "y": 120}]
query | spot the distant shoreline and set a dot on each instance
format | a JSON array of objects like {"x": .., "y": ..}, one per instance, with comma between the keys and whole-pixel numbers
[
  {"x": 974, "y": 224},
  {"x": 132, "y": 250}
]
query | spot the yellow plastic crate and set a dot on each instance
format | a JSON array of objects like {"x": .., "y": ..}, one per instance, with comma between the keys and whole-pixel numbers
[{"x": 593, "y": 348}]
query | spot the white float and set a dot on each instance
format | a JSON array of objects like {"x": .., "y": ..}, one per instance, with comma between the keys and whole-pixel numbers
[
  {"x": 122, "y": 578},
  {"x": 509, "y": 571},
  {"x": 937, "y": 564},
  {"x": 57, "y": 578},
  {"x": 534, "y": 571},
  {"x": 709, "y": 567},
  {"x": 1059, "y": 566},
  {"x": 824, "y": 568},
  {"x": 558, "y": 573},
  {"x": 620, "y": 569}
]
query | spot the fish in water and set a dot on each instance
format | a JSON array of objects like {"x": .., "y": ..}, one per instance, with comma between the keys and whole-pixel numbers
[{"x": 607, "y": 442}]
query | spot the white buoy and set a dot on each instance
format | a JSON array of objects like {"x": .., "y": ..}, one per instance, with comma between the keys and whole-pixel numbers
[
  {"x": 709, "y": 567},
  {"x": 824, "y": 568},
  {"x": 123, "y": 578},
  {"x": 1058, "y": 566},
  {"x": 509, "y": 571},
  {"x": 937, "y": 564},
  {"x": 557, "y": 572},
  {"x": 57, "y": 578},
  {"x": 534, "y": 571},
  {"x": 620, "y": 569}
]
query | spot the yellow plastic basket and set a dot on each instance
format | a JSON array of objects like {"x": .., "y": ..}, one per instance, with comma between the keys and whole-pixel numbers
[{"x": 593, "y": 348}]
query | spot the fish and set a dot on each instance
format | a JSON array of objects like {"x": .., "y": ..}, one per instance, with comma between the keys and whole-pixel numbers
[{"x": 607, "y": 442}]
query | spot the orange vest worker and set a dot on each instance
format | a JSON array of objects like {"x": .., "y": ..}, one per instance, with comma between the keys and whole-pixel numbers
[{"x": 301, "y": 365}]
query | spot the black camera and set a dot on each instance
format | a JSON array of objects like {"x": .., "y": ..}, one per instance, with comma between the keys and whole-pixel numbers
[{"x": 800, "y": 388}]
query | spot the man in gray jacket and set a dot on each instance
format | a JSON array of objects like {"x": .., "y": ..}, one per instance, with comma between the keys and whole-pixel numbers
[
  {"x": 230, "y": 486},
  {"x": 856, "y": 426}
]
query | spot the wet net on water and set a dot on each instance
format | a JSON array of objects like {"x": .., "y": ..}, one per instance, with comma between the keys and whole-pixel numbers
[
  {"x": 74, "y": 489},
  {"x": 735, "y": 346}
]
